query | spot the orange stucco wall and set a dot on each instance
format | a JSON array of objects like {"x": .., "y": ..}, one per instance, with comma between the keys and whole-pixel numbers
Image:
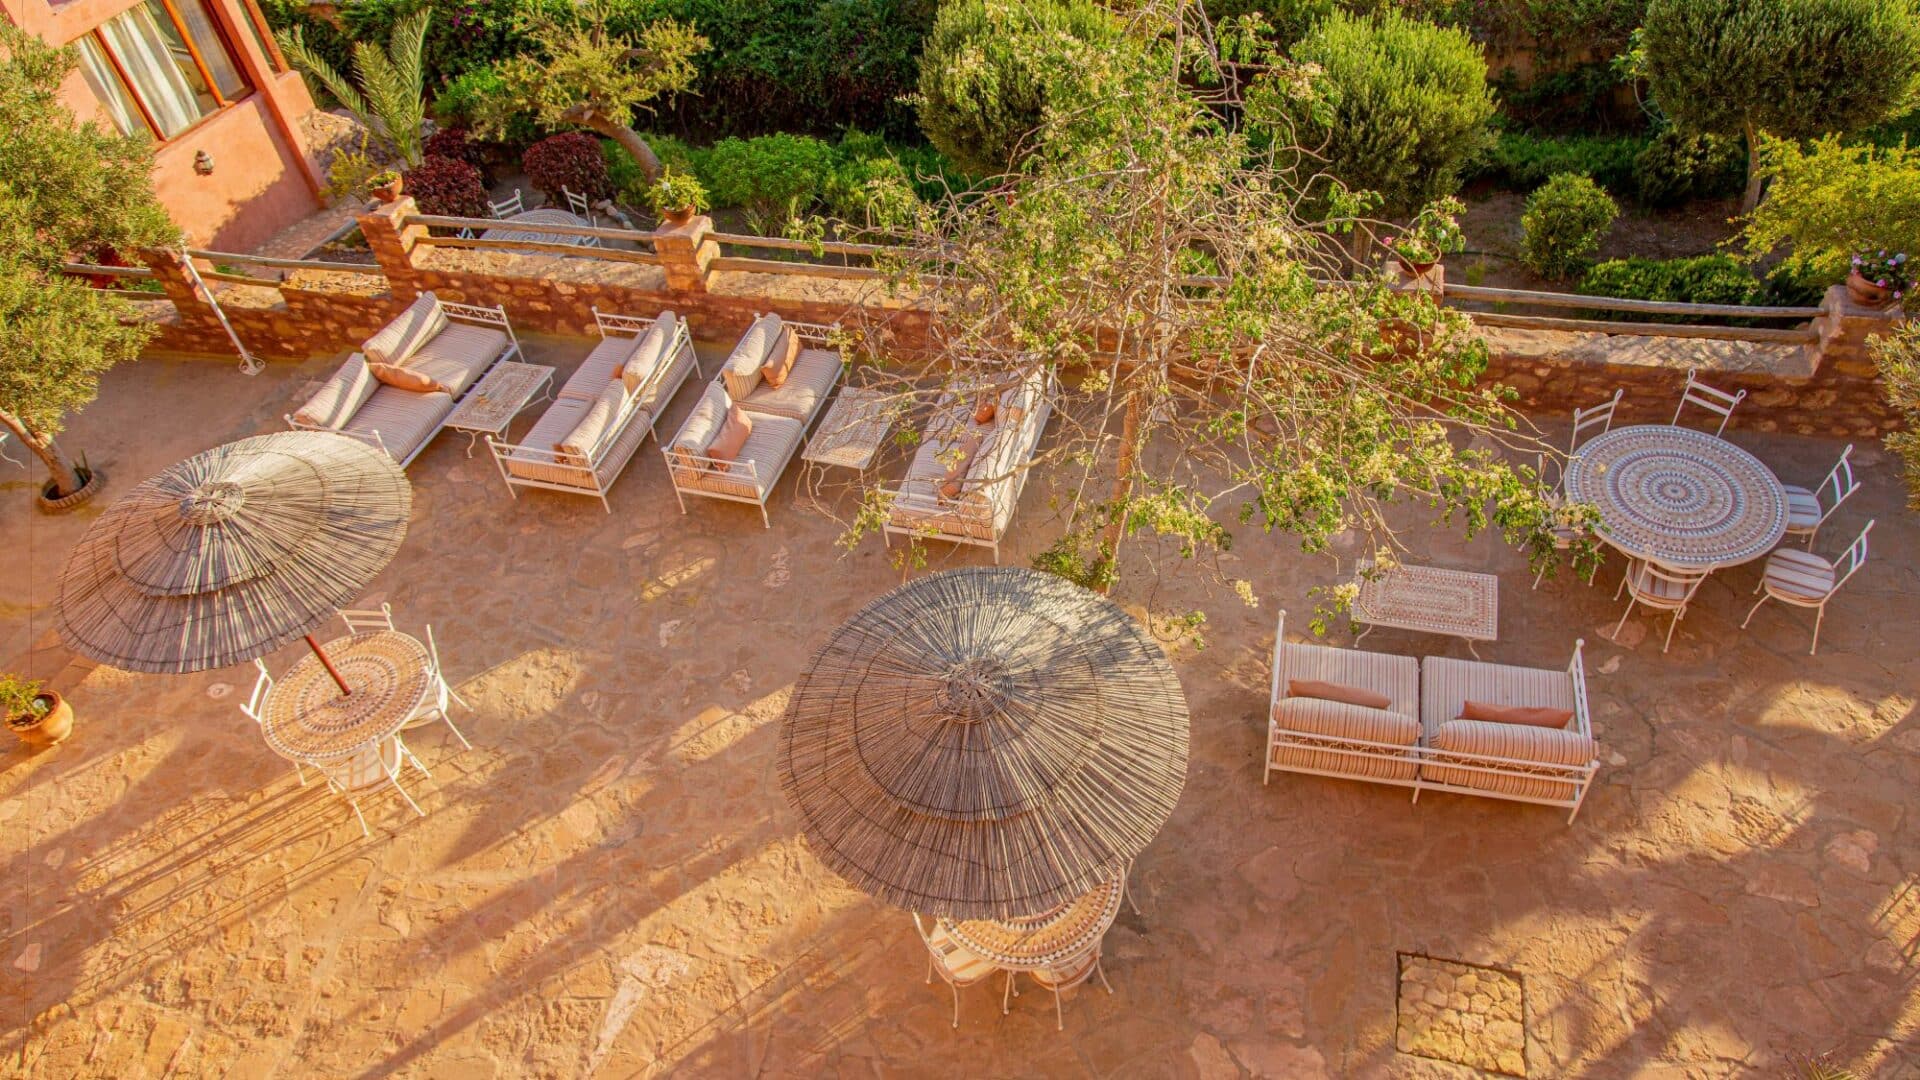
[{"x": 262, "y": 180}]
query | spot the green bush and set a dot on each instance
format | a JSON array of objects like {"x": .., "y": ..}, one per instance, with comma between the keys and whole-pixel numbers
[
  {"x": 1563, "y": 225},
  {"x": 464, "y": 100},
  {"x": 1703, "y": 279},
  {"x": 985, "y": 83},
  {"x": 1676, "y": 167},
  {"x": 630, "y": 183},
  {"x": 1400, "y": 107},
  {"x": 774, "y": 178},
  {"x": 1522, "y": 162},
  {"x": 1831, "y": 199}
]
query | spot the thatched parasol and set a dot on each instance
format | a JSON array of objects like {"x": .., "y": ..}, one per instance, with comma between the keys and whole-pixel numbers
[
  {"x": 984, "y": 743},
  {"x": 233, "y": 553}
]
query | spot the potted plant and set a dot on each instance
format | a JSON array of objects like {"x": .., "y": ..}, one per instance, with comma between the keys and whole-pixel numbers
[
  {"x": 385, "y": 185},
  {"x": 36, "y": 714},
  {"x": 1877, "y": 278},
  {"x": 676, "y": 197},
  {"x": 1433, "y": 233}
]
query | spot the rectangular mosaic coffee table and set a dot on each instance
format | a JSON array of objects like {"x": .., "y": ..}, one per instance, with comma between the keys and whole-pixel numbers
[
  {"x": 1432, "y": 600},
  {"x": 492, "y": 404}
]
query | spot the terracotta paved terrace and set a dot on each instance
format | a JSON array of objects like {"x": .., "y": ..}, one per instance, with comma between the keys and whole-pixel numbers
[{"x": 609, "y": 883}]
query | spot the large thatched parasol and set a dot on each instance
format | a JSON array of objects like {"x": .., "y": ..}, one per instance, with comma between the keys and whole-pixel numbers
[
  {"x": 984, "y": 743},
  {"x": 233, "y": 553}
]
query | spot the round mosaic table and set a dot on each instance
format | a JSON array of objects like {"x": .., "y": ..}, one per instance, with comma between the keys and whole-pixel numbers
[
  {"x": 307, "y": 718},
  {"x": 1680, "y": 497},
  {"x": 1044, "y": 940}
]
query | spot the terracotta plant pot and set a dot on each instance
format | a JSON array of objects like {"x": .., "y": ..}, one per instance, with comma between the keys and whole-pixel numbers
[
  {"x": 678, "y": 217},
  {"x": 1415, "y": 268},
  {"x": 45, "y": 730},
  {"x": 387, "y": 193},
  {"x": 90, "y": 481},
  {"x": 1866, "y": 293}
]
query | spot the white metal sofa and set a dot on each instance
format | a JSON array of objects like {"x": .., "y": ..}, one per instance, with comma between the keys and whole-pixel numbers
[
  {"x": 780, "y": 416},
  {"x": 452, "y": 344},
  {"x": 619, "y": 391},
  {"x": 1418, "y": 740},
  {"x": 991, "y": 487}
]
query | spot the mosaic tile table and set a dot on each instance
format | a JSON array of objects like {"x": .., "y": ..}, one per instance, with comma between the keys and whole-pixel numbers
[
  {"x": 1680, "y": 497},
  {"x": 1432, "y": 600}
]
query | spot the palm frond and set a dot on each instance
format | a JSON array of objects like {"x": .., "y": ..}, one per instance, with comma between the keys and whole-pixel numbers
[
  {"x": 406, "y": 47},
  {"x": 294, "y": 45}
]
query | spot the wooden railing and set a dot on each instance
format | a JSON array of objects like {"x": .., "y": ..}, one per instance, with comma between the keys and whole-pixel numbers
[
  {"x": 480, "y": 242},
  {"x": 818, "y": 249},
  {"x": 135, "y": 272},
  {"x": 1799, "y": 335},
  {"x": 234, "y": 258}
]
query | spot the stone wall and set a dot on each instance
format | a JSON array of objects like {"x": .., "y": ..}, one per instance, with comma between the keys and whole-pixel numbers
[{"x": 1828, "y": 388}]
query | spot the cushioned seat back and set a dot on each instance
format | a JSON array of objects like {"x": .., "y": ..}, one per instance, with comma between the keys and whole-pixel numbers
[
  {"x": 1542, "y": 747},
  {"x": 398, "y": 340},
  {"x": 1338, "y": 737}
]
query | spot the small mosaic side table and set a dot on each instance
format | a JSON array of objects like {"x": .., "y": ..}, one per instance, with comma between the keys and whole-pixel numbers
[
  {"x": 1431, "y": 600},
  {"x": 492, "y": 404}
]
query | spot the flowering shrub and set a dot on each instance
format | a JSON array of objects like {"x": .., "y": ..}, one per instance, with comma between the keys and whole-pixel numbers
[
  {"x": 456, "y": 143},
  {"x": 571, "y": 160},
  {"x": 448, "y": 187},
  {"x": 1886, "y": 271}
]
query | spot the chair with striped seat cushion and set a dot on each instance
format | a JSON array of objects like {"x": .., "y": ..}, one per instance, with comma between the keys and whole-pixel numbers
[
  {"x": 1548, "y": 765},
  {"x": 1662, "y": 588},
  {"x": 1804, "y": 579},
  {"x": 956, "y": 964},
  {"x": 1064, "y": 976},
  {"x": 1807, "y": 510}
]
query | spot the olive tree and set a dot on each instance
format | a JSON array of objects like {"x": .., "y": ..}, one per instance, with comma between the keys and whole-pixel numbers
[
  {"x": 66, "y": 188},
  {"x": 1390, "y": 105},
  {"x": 1164, "y": 266},
  {"x": 1796, "y": 69},
  {"x": 583, "y": 74},
  {"x": 987, "y": 77}
]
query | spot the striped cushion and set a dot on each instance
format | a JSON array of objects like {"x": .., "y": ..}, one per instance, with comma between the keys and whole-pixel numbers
[
  {"x": 595, "y": 428},
  {"x": 1798, "y": 574},
  {"x": 405, "y": 420},
  {"x": 1446, "y": 685},
  {"x": 555, "y": 424},
  {"x": 768, "y": 449},
  {"x": 1398, "y": 677},
  {"x": 702, "y": 424},
  {"x": 963, "y": 965},
  {"x": 596, "y": 371},
  {"x": 649, "y": 352},
  {"x": 458, "y": 354},
  {"x": 1328, "y": 725},
  {"x": 1649, "y": 588},
  {"x": 337, "y": 399},
  {"x": 398, "y": 340},
  {"x": 1803, "y": 509},
  {"x": 806, "y": 388},
  {"x": 1461, "y": 740},
  {"x": 741, "y": 372}
]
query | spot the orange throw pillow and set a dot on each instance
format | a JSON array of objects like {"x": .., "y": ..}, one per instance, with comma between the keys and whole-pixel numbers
[
  {"x": 1330, "y": 691},
  {"x": 983, "y": 412},
  {"x": 780, "y": 359},
  {"x": 1530, "y": 715},
  {"x": 404, "y": 379},
  {"x": 727, "y": 443},
  {"x": 955, "y": 481}
]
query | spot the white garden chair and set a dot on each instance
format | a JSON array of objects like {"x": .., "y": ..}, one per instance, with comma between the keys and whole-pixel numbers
[
  {"x": 578, "y": 204},
  {"x": 1804, "y": 579},
  {"x": 1718, "y": 402},
  {"x": 956, "y": 965},
  {"x": 509, "y": 206},
  {"x": 1596, "y": 416},
  {"x": 1661, "y": 588},
  {"x": 440, "y": 694},
  {"x": 1565, "y": 536},
  {"x": 368, "y": 768},
  {"x": 1067, "y": 975},
  {"x": 1808, "y": 510},
  {"x": 256, "y": 704}
]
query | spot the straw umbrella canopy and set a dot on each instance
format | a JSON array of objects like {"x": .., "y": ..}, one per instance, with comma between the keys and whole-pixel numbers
[
  {"x": 233, "y": 553},
  {"x": 984, "y": 743}
]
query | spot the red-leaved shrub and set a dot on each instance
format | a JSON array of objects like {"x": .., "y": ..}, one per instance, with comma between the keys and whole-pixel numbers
[
  {"x": 571, "y": 160},
  {"x": 456, "y": 143},
  {"x": 447, "y": 187}
]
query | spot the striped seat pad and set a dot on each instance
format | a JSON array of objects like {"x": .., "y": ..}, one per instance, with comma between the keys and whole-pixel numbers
[
  {"x": 405, "y": 420},
  {"x": 1447, "y": 684},
  {"x": 1398, "y": 677},
  {"x": 1469, "y": 742},
  {"x": 596, "y": 371},
  {"x": 1799, "y": 575},
  {"x": 962, "y": 964},
  {"x": 1803, "y": 509},
  {"x": 536, "y": 460},
  {"x": 769, "y": 446},
  {"x": 457, "y": 355},
  {"x": 1319, "y": 735},
  {"x": 1648, "y": 587},
  {"x": 806, "y": 389}
]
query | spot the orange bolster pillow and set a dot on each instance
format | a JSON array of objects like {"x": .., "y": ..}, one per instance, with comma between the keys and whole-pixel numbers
[
  {"x": 1329, "y": 691},
  {"x": 1529, "y": 715}
]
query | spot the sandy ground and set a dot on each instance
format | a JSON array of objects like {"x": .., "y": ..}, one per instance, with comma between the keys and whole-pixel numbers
[{"x": 609, "y": 884}]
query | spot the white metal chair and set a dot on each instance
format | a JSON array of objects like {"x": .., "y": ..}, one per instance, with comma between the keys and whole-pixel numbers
[
  {"x": 957, "y": 965},
  {"x": 256, "y": 704},
  {"x": 4, "y": 436},
  {"x": 1565, "y": 536},
  {"x": 1805, "y": 510},
  {"x": 1069, "y": 974},
  {"x": 578, "y": 204},
  {"x": 1804, "y": 579},
  {"x": 1661, "y": 588},
  {"x": 440, "y": 694},
  {"x": 1718, "y": 402},
  {"x": 368, "y": 768},
  {"x": 1596, "y": 416},
  {"x": 367, "y": 620},
  {"x": 507, "y": 207}
]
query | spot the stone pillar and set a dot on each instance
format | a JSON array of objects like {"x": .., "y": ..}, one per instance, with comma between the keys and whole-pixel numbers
[
  {"x": 686, "y": 252},
  {"x": 392, "y": 244},
  {"x": 1844, "y": 328},
  {"x": 1434, "y": 281},
  {"x": 189, "y": 296}
]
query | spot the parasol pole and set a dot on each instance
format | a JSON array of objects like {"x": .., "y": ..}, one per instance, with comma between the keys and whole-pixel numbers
[{"x": 345, "y": 691}]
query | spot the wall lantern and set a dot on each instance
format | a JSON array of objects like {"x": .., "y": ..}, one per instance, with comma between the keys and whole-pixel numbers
[{"x": 203, "y": 163}]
